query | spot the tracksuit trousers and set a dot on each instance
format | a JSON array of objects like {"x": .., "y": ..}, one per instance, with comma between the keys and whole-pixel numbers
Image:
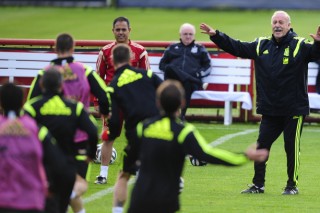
[{"x": 271, "y": 128}]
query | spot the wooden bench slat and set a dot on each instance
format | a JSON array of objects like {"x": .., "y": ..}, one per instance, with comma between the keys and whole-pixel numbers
[
  {"x": 23, "y": 64},
  {"x": 227, "y": 79},
  {"x": 20, "y": 73},
  {"x": 231, "y": 71}
]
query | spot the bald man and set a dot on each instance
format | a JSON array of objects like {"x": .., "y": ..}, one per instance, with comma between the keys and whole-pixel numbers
[
  {"x": 186, "y": 62},
  {"x": 281, "y": 69}
]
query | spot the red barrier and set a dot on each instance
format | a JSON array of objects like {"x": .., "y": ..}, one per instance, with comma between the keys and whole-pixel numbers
[{"x": 88, "y": 43}]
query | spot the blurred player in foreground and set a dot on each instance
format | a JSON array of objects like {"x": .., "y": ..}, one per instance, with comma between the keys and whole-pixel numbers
[
  {"x": 160, "y": 145},
  {"x": 135, "y": 95},
  {"x": 30, "y": 159},
  {"x": 80, "y": 81},
  {"x": 63, "y": 118}
]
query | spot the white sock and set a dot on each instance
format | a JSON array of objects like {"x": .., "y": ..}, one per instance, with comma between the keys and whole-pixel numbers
[
  {"x": 81, "y": 211},
  {"x": 117, "y": 209},
  {"x": 73, "y": 195},
  {"x": 104, "y": 171}
]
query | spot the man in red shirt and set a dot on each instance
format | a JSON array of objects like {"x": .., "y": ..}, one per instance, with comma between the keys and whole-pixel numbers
[{"x": 139, "y": 59}]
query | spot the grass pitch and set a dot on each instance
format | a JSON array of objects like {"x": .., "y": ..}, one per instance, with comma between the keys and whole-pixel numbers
[
  {"x": 216, "y": 188},
  {"x": 211, "y": 188},
  {"x": 147, "y": 24}
]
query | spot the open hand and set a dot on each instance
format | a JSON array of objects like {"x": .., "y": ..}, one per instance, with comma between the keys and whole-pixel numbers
[
  {"x": 258, "y": 155},
  {"x": 316, "y": 36},
  {"x": 206, "y": 29}
]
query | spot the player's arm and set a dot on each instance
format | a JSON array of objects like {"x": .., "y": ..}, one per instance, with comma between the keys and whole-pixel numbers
[
  {"x": 144, "y": 60},
  {"x": 35, "y": 89},
  {"x": 165, "y": 60},
  {"x": 88, "y": 124},
  {"x": 155, "y": 78},
  {"x": 205, "y": 62},
  {"x": 99, "y": 90},
  {"x": 53, "y": 157},
  {"x": 197, "y": 146},
  {"x": 101, "y": 69},
  {"x": 101, "y": 65}
]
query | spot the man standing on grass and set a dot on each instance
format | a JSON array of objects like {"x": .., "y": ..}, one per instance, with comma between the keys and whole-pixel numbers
[
  {"x": 138, "y": 58},
  {"x": 281, "y": 69}
]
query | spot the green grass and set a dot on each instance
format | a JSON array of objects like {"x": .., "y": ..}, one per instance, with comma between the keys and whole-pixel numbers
[
  {"x": 211, "y": 188},
  {"x": 147, "y": 24},
  {"x": 215, "y": 188}
]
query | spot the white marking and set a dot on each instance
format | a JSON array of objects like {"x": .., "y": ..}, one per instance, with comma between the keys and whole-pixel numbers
[
  {"x": 229, "y": 136},
  {"x": 104, "y": 192}
]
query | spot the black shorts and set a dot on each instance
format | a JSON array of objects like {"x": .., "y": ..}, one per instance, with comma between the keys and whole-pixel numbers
[
  {"x": 81, "y": 165},
  {"x": 82, "y": 168},
  {"x": 129, "y": 154}
]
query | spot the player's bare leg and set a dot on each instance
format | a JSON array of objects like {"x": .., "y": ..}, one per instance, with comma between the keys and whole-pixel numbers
[
  {"x": 120, "y": 192},
  {"x": 80, "y": 187},
  {"x": 106, "y": 154}
]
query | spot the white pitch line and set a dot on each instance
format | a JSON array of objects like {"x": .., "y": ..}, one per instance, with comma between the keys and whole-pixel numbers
[
  {"x": 104, "y": 192},
  {"x": 229, "y": 136}
]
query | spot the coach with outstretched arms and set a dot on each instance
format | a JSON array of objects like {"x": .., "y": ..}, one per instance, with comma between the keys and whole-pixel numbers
[{"x": 281, "y": 70}]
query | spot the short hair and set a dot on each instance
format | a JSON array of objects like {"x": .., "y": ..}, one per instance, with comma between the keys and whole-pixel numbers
[
  {"x": 185, "y": 25},
  {"x": 64, "y": 43},
  {"x": 170, "y": 95},
  {"x": 51, "y": 80},
  {"x": 11, "y": 98},
  {"x": 284, "y": 13},
  {"x": 120, "y": 19},
  {"x": 121, "y": 54}
]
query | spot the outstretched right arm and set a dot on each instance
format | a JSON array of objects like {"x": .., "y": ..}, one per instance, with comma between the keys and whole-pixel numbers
[{"x": 196, "y": 146}]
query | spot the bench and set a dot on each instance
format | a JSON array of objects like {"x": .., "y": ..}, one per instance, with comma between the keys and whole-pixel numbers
[
  {"x": 24, "y": 66},
  {"x": 314, "y": 98},
  {"x": 231, "y": 72}
]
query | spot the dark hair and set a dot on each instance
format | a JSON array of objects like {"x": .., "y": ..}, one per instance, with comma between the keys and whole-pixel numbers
[
  {"x": 64, "y": 43},
  {"x": 11, "y": 98},
  {"x": 121, "y": 54},
  {"x": 170, "y": 95},
  {"x": 120, "y": 19},
  {"x": 51, "y": 80}
]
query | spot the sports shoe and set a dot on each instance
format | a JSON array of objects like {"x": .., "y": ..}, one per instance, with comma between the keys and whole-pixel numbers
[
  {"x": 100, "y": 180},
  {"x": 290, "y": 190},
  {"x": 253, "y": 189}
]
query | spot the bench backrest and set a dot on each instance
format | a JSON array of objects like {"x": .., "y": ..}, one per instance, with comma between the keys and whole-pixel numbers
[
  {"x": 28, "y": 64},
  {"x": 224, "y": 71},
  {"x": 312, "y": 73}
]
